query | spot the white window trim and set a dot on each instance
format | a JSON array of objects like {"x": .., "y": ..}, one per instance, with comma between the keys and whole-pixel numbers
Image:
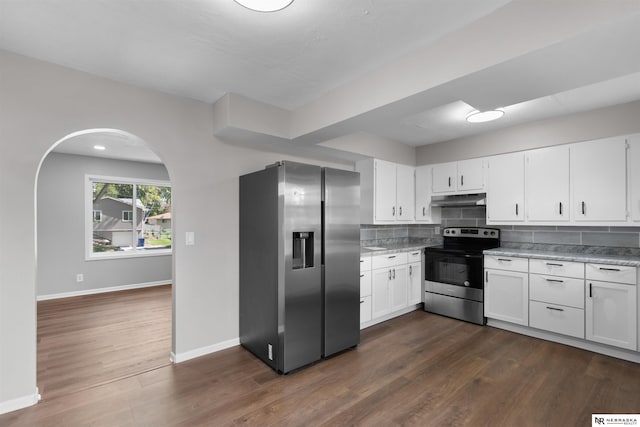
[
  {"x": 130, "y": 212},
  {"x": 88, "y": 199}
]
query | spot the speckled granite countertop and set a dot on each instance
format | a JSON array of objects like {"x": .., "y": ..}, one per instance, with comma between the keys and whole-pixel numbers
[
  {"x": 394, "y": 248},
  {"x": 633, "y": 261}
]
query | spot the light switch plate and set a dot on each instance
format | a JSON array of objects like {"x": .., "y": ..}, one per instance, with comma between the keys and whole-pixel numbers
[{"x": 190, "y": 238}]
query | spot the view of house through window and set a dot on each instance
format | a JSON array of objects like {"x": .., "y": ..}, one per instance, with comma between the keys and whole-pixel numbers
[{"x": 132, "y": 217}]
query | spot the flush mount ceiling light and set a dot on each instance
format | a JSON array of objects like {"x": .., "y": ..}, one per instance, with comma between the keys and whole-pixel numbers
[
  {"x": 484, "y": 116},
  {"x": 99, "y": 147},
  {"x": 265, "y": 5}
]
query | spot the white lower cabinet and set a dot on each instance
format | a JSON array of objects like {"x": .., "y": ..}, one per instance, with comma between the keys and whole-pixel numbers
[
  {"x": 365, "y": 289},
  {"x": 557, "y": 318},
  {"x": 398, "y": 288},
  {"x": 611, "y": 313},
  {"x": 365, "y": 309},
  {"x": 415, "y": 283},
  {"x": 506, "y": 296}
]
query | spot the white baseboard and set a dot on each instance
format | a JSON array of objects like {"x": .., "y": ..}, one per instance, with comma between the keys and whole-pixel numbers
[
  {"x": 192, "y": 354},
  {"x": 101, "y": 290},
  {"x": 19, "y": 403},
  {"x": 390, "y": 316}
]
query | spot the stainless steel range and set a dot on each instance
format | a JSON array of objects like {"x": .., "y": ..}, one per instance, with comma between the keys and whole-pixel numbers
[{"x": 453, "y": 273}]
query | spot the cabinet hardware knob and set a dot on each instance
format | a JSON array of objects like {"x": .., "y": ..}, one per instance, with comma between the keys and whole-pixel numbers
[
  {"x": 590, "y": 290},
  {"x": 394, "y": 273},
  {"x": 553, "y": 264},
  {"x": 560, "y": 204},
  {"x": 583, "y": 208},
  {"x": 555, "y": 280},
  {"x": 423, "y": 211},
  {"x": 461, "y": 180},
  {"x": 362, "y": 302},
  {"x": 486, "y": 276},
  {"x": 609, "y": 269},
  {"x": 393, "y": 211},
  {"x": 449, "y": 181},
  {"x": 505, "y": 259},
  {"x": 555, "y": 308},
  {"x": 362, "y": 275},
  {"x": 391, "y": 256},
  {"x": 516, "y": 209},
  {"x": 400, "y": 210}
]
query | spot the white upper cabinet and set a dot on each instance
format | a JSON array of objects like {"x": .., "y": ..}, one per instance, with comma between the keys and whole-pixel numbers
[
  {"x": 387, "y": 192},
  {"x": 547, "y": 189},
  {"x": 424, "y": 212},
  {"x": 634, "y": 176},
  {"x": 505, "y": 188},
  {"x": 405, "y": 193},
  {"x": 459, "y": 177},
  {"x": 598, "y": 181},
  {"x": 470, "y": 175}
]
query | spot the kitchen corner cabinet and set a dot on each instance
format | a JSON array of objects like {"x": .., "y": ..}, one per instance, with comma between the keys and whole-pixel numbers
[
  {"x": 387, "y": 192},
  {"x": 462, "y": 177},
  {"x": 611, "y": 305},
  {"x": 425, "y": 213},
  {"x": 633, "y": 166},
  {"x": 505, "y": 189},
  {"x": 598, "y": 180},
  {"x": 547, "y": 184},
  {"x": 506, "y": 289}
]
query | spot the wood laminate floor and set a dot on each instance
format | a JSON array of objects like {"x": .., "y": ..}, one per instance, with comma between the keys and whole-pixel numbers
[{"x": 419, "y": 369}]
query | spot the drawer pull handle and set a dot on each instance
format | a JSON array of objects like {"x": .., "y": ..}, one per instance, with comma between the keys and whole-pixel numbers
[
  {"x": 554, "y": 280},
  {"x": 362, "y": 275},
  {"x": 555, "y": 309},
  {"x": 391, "y": 257},
  {"x": 553, "y": 264},
  {"x": 362, "y": 302},
  {"x": 415, "y": 253},
  {"x": 590, "y": 290},
  {"x": 505, "y": 259},
  {"x": 361, "y": 260},
  {"x": 609, "y": 269}
]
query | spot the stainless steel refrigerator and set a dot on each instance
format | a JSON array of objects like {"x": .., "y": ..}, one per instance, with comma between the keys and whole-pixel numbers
[{"x": 299, "y": 263}]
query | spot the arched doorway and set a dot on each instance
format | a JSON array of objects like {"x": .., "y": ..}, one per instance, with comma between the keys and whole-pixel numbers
[{"x": 104, "y": 245}]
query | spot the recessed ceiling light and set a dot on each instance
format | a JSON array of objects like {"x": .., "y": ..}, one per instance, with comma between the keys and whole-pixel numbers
[
  {"x": 265, "y": 5},
  {"x": 484, "y": 116},
  {"x": 99, "y": 147}
]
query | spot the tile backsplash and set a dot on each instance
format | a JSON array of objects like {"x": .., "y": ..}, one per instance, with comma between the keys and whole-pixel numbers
[{"x": 557, "y": 238}]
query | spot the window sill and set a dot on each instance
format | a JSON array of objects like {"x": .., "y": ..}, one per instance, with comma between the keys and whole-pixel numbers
[{"x": 130, "y": 253}]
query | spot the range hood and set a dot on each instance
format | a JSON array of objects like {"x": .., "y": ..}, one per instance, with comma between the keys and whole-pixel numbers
[{"x": 459, "y": 200}]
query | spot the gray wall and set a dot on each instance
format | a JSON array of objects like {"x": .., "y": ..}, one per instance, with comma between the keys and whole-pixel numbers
[
  {"x": 42, "y": 103},
  {"x": 61, "y": 228}
]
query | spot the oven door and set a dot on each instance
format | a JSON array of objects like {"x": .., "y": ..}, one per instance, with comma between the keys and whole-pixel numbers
[{"x": 454, "y": 273}]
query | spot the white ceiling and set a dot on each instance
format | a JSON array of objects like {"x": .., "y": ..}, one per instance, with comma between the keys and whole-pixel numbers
[{"x": 545, "y": 58}]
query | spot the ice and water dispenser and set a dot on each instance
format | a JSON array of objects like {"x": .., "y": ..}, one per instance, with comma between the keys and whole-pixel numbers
[{"x": 302, "y": 249}]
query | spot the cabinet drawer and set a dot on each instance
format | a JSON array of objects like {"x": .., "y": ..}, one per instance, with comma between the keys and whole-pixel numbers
[
  {"x": 557, "y": 268},
  {"x": 557, "y": 290},
  {"x": 365, "y": 309},
  {"x": 414, "y": 256},
  {"x": 506, "y": 263},
  {"x": 365, "y": 283},
  {"x": 611, "y": 273},
  {"x": 365, "y": 263},
  {"x": 389, "y": 260},
  {"x": 557, "y": 318}
]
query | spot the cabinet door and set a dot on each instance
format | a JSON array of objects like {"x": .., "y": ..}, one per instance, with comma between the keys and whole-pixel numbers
[
  {"x": 598, "y": 180},
  {"x": 547, "y": 173},
  {"x": 398, "y": 287},
  {"x": 505, "y": 192},
  {"x": 444, "y": 178},
  {"x": 405, "y": 193},
  {"x": 415, "y": 283},
  {"x": 634, "y": 176},
  {"x": 425, "y": 213},
  {"x": 380, "y": 302},
  {"x": 506, "y": 296},
  {"x": 365, "y": 309},
  {"x": 385, "y": 191},
  {"x": 470, "y": 175},
  {"x": 610, "y": 312}
]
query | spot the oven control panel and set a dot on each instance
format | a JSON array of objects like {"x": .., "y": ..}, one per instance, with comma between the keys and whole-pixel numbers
[{"x": 471, "y": 232}]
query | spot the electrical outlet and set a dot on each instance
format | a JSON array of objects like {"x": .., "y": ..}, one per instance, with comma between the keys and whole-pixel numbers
[
  {"x": 79, "y": 277},
  {"x": 270, "y": 351},
  {"x": 437, "y": 230}
]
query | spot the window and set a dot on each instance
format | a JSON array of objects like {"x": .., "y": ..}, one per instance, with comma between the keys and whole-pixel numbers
[{"x": 127, "y": 217}]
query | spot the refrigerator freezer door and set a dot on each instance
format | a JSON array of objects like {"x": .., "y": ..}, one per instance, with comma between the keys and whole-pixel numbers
[
  {"x": 341, "y": 220},
  {"x": 300, "y": 290}
]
